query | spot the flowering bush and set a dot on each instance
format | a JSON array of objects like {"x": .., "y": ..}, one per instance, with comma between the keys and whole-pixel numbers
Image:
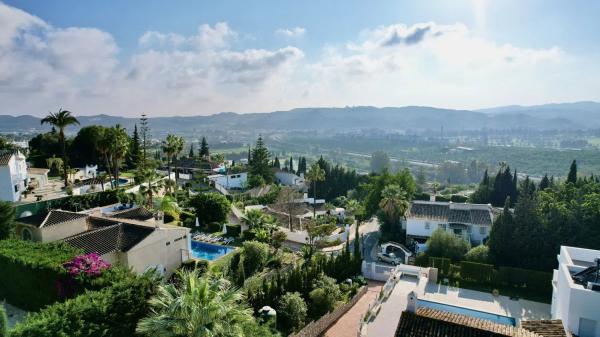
[{"x": 90, "y": 265}]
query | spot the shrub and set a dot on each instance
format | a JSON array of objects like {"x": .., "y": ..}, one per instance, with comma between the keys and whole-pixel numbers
[
  {"x": 32, "y": 272},
  {"x": 478, "y": 254},
  {"x": 7, "y": 215},
  {"x": 324, "y": 296},
  {"x": 171, "y": 216},
  {"x": 3, "y": 322},
  {"x": 458, "y": 198},
  {"x": 213, "y": 227},
  {"x": 234, "y": 230},
  {"x": 291, "y": 313},
  {"x": 255, "y": 256},
  {"x": 201, "y": 266},
  {"x": 444, "y": 244},
  {"x": 112, "y": 311},
  {"x": 517, "y": 277},
  {"x": 422, "y": 196},
  {"x": 476, "y": 272},
  {"x": 211, "y": 207}
]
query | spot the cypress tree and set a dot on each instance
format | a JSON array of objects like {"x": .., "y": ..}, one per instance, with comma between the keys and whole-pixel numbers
[
  {"x": 191, "y": 154},
  {"x": 572, "y": 177},
  {"x": 544, "y": 183},
  {"x": 291, "y": 164},
  {"x": 204, "y": 150},
  {"x": 3, "y": 322},
  {"x": 135, "y": 152},
  {"x": 276, "y": 163}
]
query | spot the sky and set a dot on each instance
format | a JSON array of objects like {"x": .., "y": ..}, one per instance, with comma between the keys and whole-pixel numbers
[{"x": 185, "y": 57}]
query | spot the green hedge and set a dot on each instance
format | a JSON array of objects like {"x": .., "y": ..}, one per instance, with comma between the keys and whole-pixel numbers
[
  {"x": 476, "y": 272},
  {"x": 458, "y": 198},
  {"x": 422, "y": 196},
  {"x": 441, "y": 263},
  {"x": 517, "y": 277},
  {"x": 113, "y": 311},
  {"x": 32, "y": 272},
  {"x": 234, "y": 230},
  {"x": 71, "y": 203}
]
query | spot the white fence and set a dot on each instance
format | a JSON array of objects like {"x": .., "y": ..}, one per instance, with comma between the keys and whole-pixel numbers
[
  {"x": 393, "y": 278},
  {"x": 377, "y": 271}
]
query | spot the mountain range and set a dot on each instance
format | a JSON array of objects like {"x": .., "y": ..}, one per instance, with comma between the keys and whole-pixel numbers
[{"x": 578, "y": 115}]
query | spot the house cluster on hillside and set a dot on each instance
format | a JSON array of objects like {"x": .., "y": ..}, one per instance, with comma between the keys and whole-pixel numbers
[
  {"x": 131, "y": 237},
  {"x": 471, "y": 222}
]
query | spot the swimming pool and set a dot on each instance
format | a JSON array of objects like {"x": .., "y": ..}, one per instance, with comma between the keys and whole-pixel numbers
[
  {"x": 206, "y": 251},
  {"x": 469, "y": 312}
]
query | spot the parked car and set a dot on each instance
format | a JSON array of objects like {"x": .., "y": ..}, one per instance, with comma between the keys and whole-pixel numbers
[{"x": 389, "y": 258}]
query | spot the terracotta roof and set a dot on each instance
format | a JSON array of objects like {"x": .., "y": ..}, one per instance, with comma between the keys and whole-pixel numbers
[
  {"x": 120, "y": 237},
  {"x": 138, "y": 213},
  {"x": 546, "y": 328},
  {"x": 5, "y": 157},
  {"x": 434, "y": 323},
  {"x": 51, "y": 218},
  {"x": 443, "y": 211}
]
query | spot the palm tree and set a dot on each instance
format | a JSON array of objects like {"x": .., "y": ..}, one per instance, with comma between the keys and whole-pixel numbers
[
  {"x": 171, "y": 146},
  {"x": 61, "y": 120},
  {"x": 152, "y": 186},
  {"x": 196, "y": 307},
  {"x": 253, "y": 219},
  {"x": 119, "y": 147},
  {"x": 394, "y": 202},
  {"x": 103, "y": 147},
  {"x": 315, "y": 173}
]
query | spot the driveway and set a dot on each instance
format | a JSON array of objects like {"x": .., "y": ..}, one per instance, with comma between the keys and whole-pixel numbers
[{"x": 347, "y": 325}]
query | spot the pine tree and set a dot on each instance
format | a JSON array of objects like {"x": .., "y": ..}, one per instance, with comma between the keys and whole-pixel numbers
[
  {"x": 572, "y": 177},
  {"x": 544, "y": 183},
  {"x": 291, "y": 164},
  {"x": 204, "y": 151},
  {"x": 276, "y": 163},
  {"x": 135, "y": 154},
  {"x": 259, "y": 169},
  {"x": 191, "y": 154}
]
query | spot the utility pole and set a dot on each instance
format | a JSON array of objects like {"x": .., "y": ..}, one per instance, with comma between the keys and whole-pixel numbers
[{"x": 144, "y": 130}]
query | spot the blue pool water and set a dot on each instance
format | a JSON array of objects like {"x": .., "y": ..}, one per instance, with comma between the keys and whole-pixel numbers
[
  {"x": 206, "y": 251},
  {"x": 469, "y": 312},
  {"x": 121, "y": 181}
]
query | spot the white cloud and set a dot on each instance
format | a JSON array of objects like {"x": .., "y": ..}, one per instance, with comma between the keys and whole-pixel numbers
[
  {"x": 44, "y": 67},
  {"x": 292, "y": 32}
]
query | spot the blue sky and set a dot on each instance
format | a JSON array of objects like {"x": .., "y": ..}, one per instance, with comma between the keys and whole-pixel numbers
[{"x": 203, "y": 57}]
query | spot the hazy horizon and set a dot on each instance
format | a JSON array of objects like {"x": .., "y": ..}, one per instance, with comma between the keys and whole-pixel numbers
[{"x": 202, "y": 58}]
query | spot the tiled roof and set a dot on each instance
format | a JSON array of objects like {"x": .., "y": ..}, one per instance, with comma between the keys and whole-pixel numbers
[
  {"x": 546, "y": 328},
  {"x": 117, "y": 237},
  {"x": 442, "y": 211},
  {"x": 138, "y": 213},
  {"x": 51, "y": 218},
  {"x": 5, "y": 157},
  {"x": 434, "y": 323}
]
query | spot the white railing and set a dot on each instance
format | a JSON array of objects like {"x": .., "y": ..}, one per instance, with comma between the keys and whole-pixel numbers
[{"x": 375, "y": 306}]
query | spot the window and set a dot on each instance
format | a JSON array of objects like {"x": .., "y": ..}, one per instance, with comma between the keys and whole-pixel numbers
[
  {"x": 26, "y": 234},
  {"x": 16, "y": 188},
  {"x": 457, "y": 231},
  {"x": 482, "y": 230},
  {"x": 427, "y": 225}
]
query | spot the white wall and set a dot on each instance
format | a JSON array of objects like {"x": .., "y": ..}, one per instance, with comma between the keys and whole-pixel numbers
[
  {"x": 7, "y": 192},
  {"x": 154, "y": 251},
  {"x": 417, "y": 227},
  {"x": 11, "y": 175},
  {"x": 571, "y": 301},
  {"x": 237, "y": 180},
  {"x": 289, "y": 179}
]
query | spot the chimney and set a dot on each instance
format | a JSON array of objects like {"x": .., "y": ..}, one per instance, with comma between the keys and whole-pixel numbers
[{"x": 411, "y": 305}]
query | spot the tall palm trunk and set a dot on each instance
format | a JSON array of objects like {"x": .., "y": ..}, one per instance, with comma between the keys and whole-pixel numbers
[
  {"x": 315, "y": 201},
  {"x": 169, "y": 170},
  {"x": 108, "y": 170},
  {"x": 64, "y": 156}
]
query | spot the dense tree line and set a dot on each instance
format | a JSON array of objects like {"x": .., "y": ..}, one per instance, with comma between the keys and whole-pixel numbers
[
  {"x": 495, "y": 190},
  {"x": 544, "y": 218},
  {"x": 338, "y": 181}
]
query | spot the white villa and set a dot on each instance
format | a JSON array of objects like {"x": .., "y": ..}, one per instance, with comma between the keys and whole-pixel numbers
[
  {"x": 131, "y": 238},
  {"x": 13, "y": 175},
  {"x": 472, "y": 222},
  {"x": 576, "y": 291},
  {"x": 230, "y": 181},
  {"x": 290, "y": 179}
]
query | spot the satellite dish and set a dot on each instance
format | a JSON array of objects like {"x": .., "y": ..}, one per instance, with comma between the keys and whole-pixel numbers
[{"x": 26, "y": 213}]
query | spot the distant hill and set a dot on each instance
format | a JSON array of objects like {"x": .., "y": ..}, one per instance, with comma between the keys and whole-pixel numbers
[{"x": 580, "y": 115}]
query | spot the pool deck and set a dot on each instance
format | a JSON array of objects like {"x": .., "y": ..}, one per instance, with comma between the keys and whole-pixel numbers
[{"x": 384, "y": 325}]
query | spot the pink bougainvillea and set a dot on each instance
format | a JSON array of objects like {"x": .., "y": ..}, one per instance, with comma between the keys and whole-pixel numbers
[{"x": 87, "y": 265}]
